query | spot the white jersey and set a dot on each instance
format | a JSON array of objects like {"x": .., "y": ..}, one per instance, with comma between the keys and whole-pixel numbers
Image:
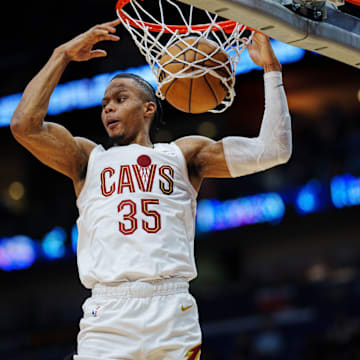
[{"x": 136, "y": 216}]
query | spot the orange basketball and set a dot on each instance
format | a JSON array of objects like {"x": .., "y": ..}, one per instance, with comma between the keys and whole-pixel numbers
[{"x": 194, "y": 94}]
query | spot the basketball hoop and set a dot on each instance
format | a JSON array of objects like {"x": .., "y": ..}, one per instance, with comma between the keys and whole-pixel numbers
[
  {"x": 147, "y": 25},
  {"x": 228, "y": 26}
]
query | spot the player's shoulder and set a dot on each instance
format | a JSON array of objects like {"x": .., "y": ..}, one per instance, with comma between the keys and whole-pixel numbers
[
  {"x": 85, "y": 145},
  {"x": 191, "y": 145},
  {"x": 193, "y": 141}
]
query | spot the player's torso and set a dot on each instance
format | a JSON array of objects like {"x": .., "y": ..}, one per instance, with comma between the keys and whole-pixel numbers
[{"x": 137, "y": 211}]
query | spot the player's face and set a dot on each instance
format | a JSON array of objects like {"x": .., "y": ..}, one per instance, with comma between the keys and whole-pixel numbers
[{"x": 123, "y": 111}]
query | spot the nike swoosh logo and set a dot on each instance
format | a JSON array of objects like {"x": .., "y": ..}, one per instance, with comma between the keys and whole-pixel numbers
[{"x": 185, "y": 308}]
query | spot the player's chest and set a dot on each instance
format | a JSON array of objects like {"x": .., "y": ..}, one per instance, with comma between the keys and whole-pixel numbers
[{"x": 136, "y": 174}]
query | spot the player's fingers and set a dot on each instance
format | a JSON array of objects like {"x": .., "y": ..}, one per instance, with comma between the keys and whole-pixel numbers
[
  {"x": 109, "y": 26},
  {"x": 97, "y": 53},
  {"x": 106, "y": 27},
  {"x": 113, "y": 22},
  {"x": 261, "y": 38},
  {"x": 102, "y": 34},
  {"x": 250, "y": 44},
  {"x": 112, "y": 37},
  {"x": 254, "y": 43}
]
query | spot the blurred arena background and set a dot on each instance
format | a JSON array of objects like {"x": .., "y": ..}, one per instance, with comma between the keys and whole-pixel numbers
[{"x": 278, "y": 252}]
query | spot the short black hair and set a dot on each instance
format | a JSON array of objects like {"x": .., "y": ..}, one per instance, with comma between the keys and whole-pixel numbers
[{"x": 149, "y": 95}]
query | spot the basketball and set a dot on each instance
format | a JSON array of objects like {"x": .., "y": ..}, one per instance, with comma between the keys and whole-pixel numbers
[{"x": 194, "y": 94}]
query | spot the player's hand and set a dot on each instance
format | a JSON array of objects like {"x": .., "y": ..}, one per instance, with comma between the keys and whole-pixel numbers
[
  {"x": 81, "y": 47},
  {"x": 262, "y": 53}
]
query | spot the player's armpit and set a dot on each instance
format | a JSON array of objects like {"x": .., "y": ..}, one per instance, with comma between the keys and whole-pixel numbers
[
  {"x": 55, "y": 147},
  {"x": 204, "y": 157}
]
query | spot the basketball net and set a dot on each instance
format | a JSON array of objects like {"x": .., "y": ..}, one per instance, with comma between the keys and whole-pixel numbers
[{"x": 153, "y": 40}]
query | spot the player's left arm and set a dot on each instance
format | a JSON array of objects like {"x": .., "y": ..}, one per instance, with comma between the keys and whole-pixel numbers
[{"x": 237, "y": 156}]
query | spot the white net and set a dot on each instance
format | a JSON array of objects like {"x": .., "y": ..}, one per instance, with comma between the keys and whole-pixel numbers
[{"x": 148, "y": 25}]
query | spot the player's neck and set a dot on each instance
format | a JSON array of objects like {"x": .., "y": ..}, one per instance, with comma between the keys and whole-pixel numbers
[{"x": 143, "y": 140}]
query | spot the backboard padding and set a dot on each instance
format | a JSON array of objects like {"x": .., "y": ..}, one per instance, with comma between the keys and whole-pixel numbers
[{"x": 337, "y": 36}]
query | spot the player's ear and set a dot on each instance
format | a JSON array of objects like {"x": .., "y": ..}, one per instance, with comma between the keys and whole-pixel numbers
[{"x": 149, "y": 109}]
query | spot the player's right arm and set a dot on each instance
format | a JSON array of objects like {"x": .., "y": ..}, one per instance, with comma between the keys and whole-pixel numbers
[
  {"x": 235, "y": 156},
  {"x": 51, "y": 143}
]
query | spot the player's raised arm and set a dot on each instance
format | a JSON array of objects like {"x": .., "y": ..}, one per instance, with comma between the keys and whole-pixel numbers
[
  {"x": 237, "y": 156},
  {"x": 51, "y": 143}
]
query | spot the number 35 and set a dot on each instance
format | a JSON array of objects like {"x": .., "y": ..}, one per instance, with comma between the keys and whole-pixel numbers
[{"x": 131, "y": 221}]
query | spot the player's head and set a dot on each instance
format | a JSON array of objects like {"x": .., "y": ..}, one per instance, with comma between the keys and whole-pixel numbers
[{"x": 129, "y": 107}]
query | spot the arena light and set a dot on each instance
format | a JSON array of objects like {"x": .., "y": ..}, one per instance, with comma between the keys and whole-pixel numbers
[
  {"x": 345, "y": 191},
  {"x": 17, "y": 252},
  {"x": 215, "y": 215},
  {"x": 309, "y": 198},
  {"x": 87, "y": 93},
  {"x": 74, "y": 238},
  {"x": 7, "y": 107},
  {"x": 53, "y": 244},
  {"x": 285, "y": 53}
]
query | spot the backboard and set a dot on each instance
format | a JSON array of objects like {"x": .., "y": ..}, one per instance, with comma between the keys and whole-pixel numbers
[{"x": 330, "y": 32}]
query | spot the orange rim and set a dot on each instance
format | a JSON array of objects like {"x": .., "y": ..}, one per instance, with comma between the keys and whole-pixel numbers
[
  {"x": 355, "y": 2},
  {"x": 228, "y": 25}
]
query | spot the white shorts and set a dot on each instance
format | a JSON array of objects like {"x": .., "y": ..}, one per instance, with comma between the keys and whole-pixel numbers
[{"x": 140, "y": 321}]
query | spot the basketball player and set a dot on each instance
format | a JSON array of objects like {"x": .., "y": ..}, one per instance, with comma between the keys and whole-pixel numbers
[{"x": 137, "y": 201}]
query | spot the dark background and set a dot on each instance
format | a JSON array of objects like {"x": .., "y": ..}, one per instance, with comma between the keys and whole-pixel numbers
[{"x": 286, "y": 291}]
